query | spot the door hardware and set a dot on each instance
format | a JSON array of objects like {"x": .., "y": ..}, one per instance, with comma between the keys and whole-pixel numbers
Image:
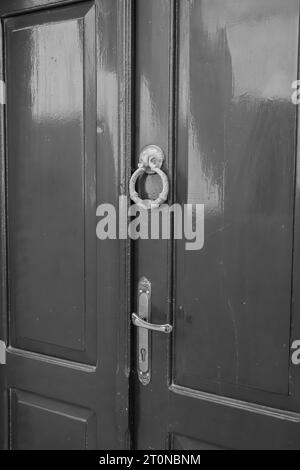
[
  {"x": 143, "y": 354},
  {"x": 137, "y": 321},
  {"x": 151, "y": 157},
  {"x": 2, "y": 353},
  {"x": 142, "y": 321},
  {"x": 151, "y": 161}
]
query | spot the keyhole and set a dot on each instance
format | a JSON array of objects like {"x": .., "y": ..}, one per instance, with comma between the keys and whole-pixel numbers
[{"x": 143, "y": 354}]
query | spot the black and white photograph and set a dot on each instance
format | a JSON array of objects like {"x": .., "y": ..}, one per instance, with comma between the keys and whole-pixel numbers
[{"x": 149, "y": 228}]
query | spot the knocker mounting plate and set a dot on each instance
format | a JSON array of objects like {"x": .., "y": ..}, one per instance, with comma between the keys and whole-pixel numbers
[{"x": 151, "y": 157}]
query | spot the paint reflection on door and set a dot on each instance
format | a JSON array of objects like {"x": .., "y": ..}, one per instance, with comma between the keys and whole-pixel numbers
[
  {"x": 62, "y": 157},
  {"x": 231, "y": 303}
]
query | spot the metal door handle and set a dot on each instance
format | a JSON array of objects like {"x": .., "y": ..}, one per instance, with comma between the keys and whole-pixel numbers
[
  {"x": 137, "y": 321},
  {"x": 144, "y": 327}
]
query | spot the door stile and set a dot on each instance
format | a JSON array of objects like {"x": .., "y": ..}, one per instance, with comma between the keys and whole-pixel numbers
[
  {"x": 173, "y": 125},
  {"x": 155, "y": 118},
  {"x": 126, "y": 139}
]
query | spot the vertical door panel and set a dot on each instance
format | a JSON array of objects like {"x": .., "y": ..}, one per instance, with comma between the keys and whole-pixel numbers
[
  {"x": 236, "y": 155},
  {"x": 51, "y": 182}
]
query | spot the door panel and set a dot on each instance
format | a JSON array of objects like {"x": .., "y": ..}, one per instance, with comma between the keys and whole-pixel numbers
[
  {"x": 185, "y": 443},
  {"x": 51, "y": 182},
  {"x": 38, "y": 422},
  {"x": 232, "y": 424},
  {"x": 65, "y": 291},
  {"x": 236, "y": 155},
  {"x": 225, "y": 378}
]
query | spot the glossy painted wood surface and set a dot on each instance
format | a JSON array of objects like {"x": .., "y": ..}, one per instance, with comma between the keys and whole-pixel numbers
[
  {"x": 65, "y": 68},
  {"x": 51, "y": 190},
  {"x": 153, "y": 36},
  {"x": 11, "y": 7},
  {"x": 236, "y": 152},
  {"x": 232, "y": 382},
  {"x": 236, "y": 155}
]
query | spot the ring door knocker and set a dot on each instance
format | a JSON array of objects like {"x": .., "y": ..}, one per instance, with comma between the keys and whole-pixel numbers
[{"x": 151, "y": 161}]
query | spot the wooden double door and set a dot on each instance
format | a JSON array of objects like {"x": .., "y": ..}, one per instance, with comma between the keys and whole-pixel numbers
[{"x": 88, "y": 85}]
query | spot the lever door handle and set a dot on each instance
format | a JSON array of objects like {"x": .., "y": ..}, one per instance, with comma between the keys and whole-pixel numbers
[
  {"x": 137, "y": 321},
  {"x": 144, "y": 327}
]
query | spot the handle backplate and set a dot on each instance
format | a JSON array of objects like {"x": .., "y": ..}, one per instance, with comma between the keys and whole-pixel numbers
[{"x": 143, "y": 337}]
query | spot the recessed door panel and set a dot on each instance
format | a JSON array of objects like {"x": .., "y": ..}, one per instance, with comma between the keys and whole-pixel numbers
[
  {"x": 236, "y": 155},
  {"x": 51, "y": 141},
  {"x": 185, "y": 443},
  {"x": 42, "y": 423}
]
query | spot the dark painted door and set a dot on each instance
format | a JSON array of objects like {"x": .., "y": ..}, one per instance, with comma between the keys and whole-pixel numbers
[
  {"x": 61, "y": 288},
  {"x": 213, "y": 89},
  {"x": 214, "y": 82}
]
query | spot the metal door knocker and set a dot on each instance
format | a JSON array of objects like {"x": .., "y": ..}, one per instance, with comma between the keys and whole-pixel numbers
[{"x": 151, "y": 161}]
